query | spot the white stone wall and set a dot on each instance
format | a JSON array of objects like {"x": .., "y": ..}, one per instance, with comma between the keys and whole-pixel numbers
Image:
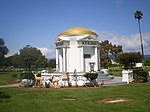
[
  {"x": 73, "y": 55},
  {"x": 94, "y": 58},
  {"x": 70, "y": 55},
  {"x": 81, "y": 80}
]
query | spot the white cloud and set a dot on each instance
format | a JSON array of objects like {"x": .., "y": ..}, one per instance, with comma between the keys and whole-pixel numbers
[
  {"x": 130, "y": 43},
  {"x": 11, "y": 53},
  {"x": 48, "y": 53}
]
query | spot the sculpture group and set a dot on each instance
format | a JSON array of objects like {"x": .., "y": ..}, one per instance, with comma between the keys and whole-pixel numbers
[{"x": 49, "y": 81}]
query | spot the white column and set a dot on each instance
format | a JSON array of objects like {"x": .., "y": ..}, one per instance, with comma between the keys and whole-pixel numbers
[
  {"x": 57, "y": 59},
  {"x": 60, "y": 60},
  {"x": 67, "y": 60},
  {"x": 81, "y": 60},
  {"x": 96, "y": 64},
  {"x": 98, "y": 58},
  {"x": 64, "y": 59}
]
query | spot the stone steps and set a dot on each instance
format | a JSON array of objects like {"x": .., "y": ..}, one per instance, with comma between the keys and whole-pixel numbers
[
  {"x": 115, "y": 83},
  {"x": 112, "y": 81}
]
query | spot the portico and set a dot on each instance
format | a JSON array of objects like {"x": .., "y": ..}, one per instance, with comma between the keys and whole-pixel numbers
[{"x": 77, "y": 49}]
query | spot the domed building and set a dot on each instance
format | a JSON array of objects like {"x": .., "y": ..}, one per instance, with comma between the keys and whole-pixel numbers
[
  {"x": 77, "y": 49},
  {"x": 78, "y": 52}
]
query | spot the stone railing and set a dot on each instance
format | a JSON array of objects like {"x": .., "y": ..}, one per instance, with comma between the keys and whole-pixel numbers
[{"x": 73, "y": 79}]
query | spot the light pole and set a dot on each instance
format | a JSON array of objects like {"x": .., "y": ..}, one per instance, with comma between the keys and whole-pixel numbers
[{"x": 138, "y": 15}]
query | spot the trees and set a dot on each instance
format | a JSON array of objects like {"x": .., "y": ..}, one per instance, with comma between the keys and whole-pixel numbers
[
  {"x": 52, "y": 63},
  {"x": 107, "y": 51},
  {"x": 32, "y": 57},
  {"x": 29, "y": 57},
  {"x": 138, "y": 15},
  {"x": 147, "y": 63},
  {"x": 3, "y": 51},
  {"x": 129, "y": 59},
  {"x": 15, "y": 61}
]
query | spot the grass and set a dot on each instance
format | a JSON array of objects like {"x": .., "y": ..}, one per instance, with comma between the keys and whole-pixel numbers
[
  {"x": 5, "y": 77},
  {"x": 52, "y": 100},
  {"x": 115, "y": 72}
]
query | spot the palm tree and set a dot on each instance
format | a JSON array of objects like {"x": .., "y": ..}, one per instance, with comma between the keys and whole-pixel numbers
[{"x": 138, "y": 15}]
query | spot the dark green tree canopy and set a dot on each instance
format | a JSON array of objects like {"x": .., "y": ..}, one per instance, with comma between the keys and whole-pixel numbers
[
  {"x": 52, "y": 63},
  {"x": 129, "y": 59},
  {"x": 107, "y": 50},
  {"x": 138, "y": 15},
  {"x": 15, "y": 60},
  {"x": 3, "y": 51},
  {"x": 31, "y": 56}
]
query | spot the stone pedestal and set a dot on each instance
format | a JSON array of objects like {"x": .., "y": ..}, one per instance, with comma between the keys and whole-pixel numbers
[
  {"x": 127, "y": 76},
  {"x": 149, "y": 77}
]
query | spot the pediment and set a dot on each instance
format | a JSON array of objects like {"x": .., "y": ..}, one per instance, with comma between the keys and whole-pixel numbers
[{"x": 89, "y": 38}]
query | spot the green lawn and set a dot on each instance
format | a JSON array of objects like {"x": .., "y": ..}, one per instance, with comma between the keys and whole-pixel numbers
[
  {"x": 53, "y": 100},
  {"x": 5, "y": 77},
  {"x": 116, "y": 72}
]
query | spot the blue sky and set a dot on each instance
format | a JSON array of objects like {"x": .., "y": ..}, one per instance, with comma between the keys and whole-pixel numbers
[{"x": 38, "y": 22}]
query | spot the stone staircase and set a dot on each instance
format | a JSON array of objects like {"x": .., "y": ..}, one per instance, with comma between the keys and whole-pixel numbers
[{"x": 105, "y": 79}]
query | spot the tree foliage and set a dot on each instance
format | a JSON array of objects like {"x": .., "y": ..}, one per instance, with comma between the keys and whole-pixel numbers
[
  {"x": 3, "y": 51},
  {"x": 16, "y": 60},
  {"x": 129, "y": 59},
  {"x": 52, "y": 63},
  {"x": 147, "y": 63},
  {"x": 31, "y": 56},
  {"x": 108, "y": 50}
]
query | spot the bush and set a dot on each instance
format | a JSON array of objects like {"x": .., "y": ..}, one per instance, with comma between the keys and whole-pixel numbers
[
  {"x": 14, "y": 76},
  {"x": 4, "y": 96},
  {"x": 14, "y": 79},
  {"x": 147, "y": 63},
  {"x": 140, "y": 75},
  {"x": 91, "y": 76},
  {"x": 143, "y": 76},
  {"x": 26, "y": 75}
]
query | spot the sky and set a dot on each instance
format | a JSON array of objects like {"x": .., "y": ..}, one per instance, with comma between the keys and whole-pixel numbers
[{"x": 39, "y": 22}]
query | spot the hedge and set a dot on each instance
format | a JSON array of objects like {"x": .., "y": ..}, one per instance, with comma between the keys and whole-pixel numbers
[
  {"x": 90, "y": 75},
  {"x": 140, "y": 75}
]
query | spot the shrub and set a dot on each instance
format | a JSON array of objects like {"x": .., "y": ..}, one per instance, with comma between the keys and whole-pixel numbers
[
  {"x": 26, "y": 75},
  {"x": 91, "y": 76},
  {"x": 14, "y": 79},
  {"x": 147, "y": 63},
  {"x": 143, "y": 76},
  {"x": 14, "y": 76},
  {"x": 140, "y": 75},
  {"x": 136, "y": 73}
]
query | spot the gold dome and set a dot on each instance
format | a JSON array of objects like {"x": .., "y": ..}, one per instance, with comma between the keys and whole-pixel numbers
[{"x": 77, "y": 31}]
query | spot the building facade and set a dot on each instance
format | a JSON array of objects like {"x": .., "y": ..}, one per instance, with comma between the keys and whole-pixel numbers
[{"x": 77, "y": 49}]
